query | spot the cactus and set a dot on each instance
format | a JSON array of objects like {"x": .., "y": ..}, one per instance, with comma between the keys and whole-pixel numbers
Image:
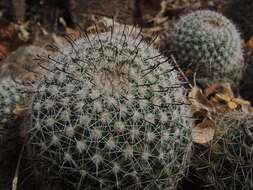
[
  {"x": 227, "y": 162},
  {"x": 110, "y": 113},
  {"x": 208, "y": 44},
  {"x": 10, "y": 96}
]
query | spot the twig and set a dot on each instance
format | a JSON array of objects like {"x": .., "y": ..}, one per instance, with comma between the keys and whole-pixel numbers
[
  {"x": 15, "y": 179},
  {"x": 181, "y": 72}
]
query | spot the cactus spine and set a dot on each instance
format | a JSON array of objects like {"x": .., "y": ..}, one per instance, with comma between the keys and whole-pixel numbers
[
  {"x": 209, "y": 44},
  {"x": 227, "y": 162},
  {"x": 10, "y": 96},
  {"x": 111, "y": 113}
]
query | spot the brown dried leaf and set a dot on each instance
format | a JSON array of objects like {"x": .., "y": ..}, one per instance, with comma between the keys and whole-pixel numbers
[
  {"x": 76, "y": 33},
  {"x": 223, "y": 97},
  {"x": 224, "y": 89},
  {"x": 23, "y": 33},
  {"x": 19, "y": 111},
  {"x": 3, "y": 51},
  {"x": 210, "y": 90},
  {"x": 199, "y": 101},
  {"x": 98, "y": 28},
  {"x": 247, "y": 109},
  {"x": 249, "y": 44},
  {"x": 203, "y": 132},
  {"x": 241, "y": 101},
  {"x": 7, "y": 31},
  {"x": 232, "y": 105}
]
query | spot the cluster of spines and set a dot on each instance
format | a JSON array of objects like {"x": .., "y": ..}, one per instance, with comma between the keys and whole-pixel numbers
[
  {"x": 227, "y": 162},
  {"x": 209, "y": 44},
  {"x": 110, "y": 111},
  {"x": 11, "y": 95}
]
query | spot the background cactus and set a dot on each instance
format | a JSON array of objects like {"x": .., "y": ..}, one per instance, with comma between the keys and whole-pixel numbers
[
  {"x": 208, "y": 44},
  {"x": 110, "y": 113},
  {"x": 227, "y": 162},
  {"x": 10, "y": 96}
]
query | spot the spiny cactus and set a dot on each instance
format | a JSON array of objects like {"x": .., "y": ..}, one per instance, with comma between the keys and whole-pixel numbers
[
  {"x": 110, "y": 113},
  {"x": 10, "y": 96},
  {"x": 208, "y": 44},
  {"x": 227, "y": 163}
]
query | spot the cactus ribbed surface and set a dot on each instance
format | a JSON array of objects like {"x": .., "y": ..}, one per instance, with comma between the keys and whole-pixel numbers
[
  {"x": 227, "y": 163},
  {"x": 110, "y": 113},
  {"x": 209, "y": 44},
  {"x": 10, "y": 96}
]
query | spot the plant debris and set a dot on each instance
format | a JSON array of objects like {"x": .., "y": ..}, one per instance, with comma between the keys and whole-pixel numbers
[{"x": 216, "y": 99}]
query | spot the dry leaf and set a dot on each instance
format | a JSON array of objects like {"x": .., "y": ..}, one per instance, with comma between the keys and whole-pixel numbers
[
  {"x": 76, "y": 33},
  {"x": 247, "y": 109},
  {"x": 211, "y": 89},
  {"x": 7, "y": 31},
  {"x": 199, "y": 101},
  {"x": 98, "y": 28},
  {"x": 216, "y": 98},
  {"x": 241, "y": 101},
  {"x": 203, "y": 132},
  {"x": 19, "y": 111},
  {"x": 249, "y": 43},
  {"x": 23, "y": 34},
  {"x": 3, "y": 51},
  {"x": 223, "y": 97},
  {"x": 224, "y": 89},
  {"x": 232, "y": 105}
]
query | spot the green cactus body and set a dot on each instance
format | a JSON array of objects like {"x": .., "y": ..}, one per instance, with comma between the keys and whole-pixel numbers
[
  {"x": 111, "y": 113},
  {"x": 10, "y": 96},
  {"x": 208, "y": 44},
  {"x": 227, "y": 164}
]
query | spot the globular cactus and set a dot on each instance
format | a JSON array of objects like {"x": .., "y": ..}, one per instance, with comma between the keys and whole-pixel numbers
[
  {"x": 209, "y": 44},
  {"x": 227, "y": 162},
  {"x": 11, "y": 95},
  {"x": 110, "y": 113}
]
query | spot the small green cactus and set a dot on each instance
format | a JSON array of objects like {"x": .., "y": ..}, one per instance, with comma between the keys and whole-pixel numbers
[
  {"x": 11, "y": 95},
  {"x": 208, "y": 44},
  {"x": 110, "y": 113},
  {"x": 227, "y": 162}
]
